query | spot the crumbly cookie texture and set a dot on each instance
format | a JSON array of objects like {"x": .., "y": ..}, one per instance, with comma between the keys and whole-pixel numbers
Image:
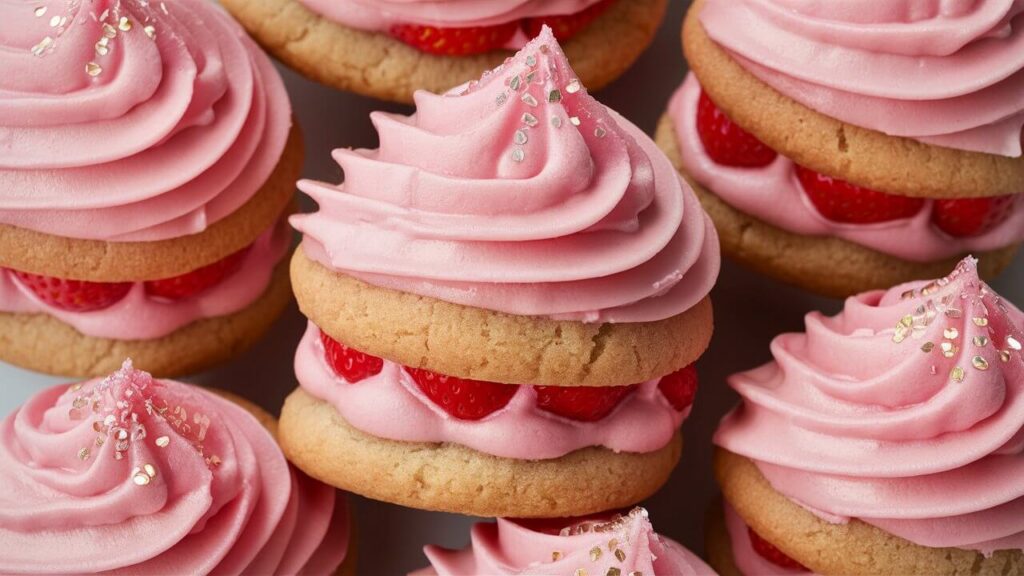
[
  {"x": 452, "y": 478},
  {"x": 42, "y": 343},
  {"x": 468, "y": 342},
  {"x": 98, "y": 261},
  {"x": 380, "y": 66},
  {"x": 864, "y": 157},
  {"x": 804, "y": 260},
  {"x": 854, "y": 548}
]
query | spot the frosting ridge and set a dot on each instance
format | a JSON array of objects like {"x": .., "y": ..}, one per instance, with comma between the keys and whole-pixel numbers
[
  {"x": 933, "y": 407},
  {"x": 518, "y": 193},
  {"x": 192, "y": 481},
  {"x": 131, "y": 121}
]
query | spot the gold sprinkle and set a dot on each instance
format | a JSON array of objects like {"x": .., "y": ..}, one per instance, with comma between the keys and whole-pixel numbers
[
  {"x": 97, "y": 426},
  {"x": 502, "y": 98},
  {"x": 520, "y": 137},
  {"x": 93, "y": 69},
  {"x": 40, "y": 11},
  {"x": 1004, "y": 355},
  {"x": 573, "y": 87},
  {"x": 518, "y": 155},
  {"x": 75, "y": 387},
  {"x": 163, "y": 441},
  {"x": 555, "y": 96},
  {"x": 636, "y": 573},
  {"x": 556, "y": 121},
  {"x": 556, "y": 556},
  {"x": 140, "y": 478},
  {"x": 957, "y": 374},
  {"x": 600, "y": 132},
  {"x": 613, "y": 544},
  {"x": 122, "y": 434},
  {"x": 948, "y": 349},
  {"x": 901, "y": 334},
  {"x": 515, "y": 83},
  {"x": 580, "y": 572},
  {"x": 954, "y": 313},
  {"x": 979, "y": 363},
  {"x": 150, "y": 470},
  {"x": 595, "y": 553},
  {"x": 531, "y": 60},
  {"x": 927, "y": 347},
  {"x": 529, "y": 100},
  {"x": 545, "y": 49},
  {"x": 907, "y": 321},
  {"x": 150, "y": 31},
  {"x": 214, "y": 461},
  {"x": 950, "y": 333},
  {"x": 530, "y": 120},
  {"x": 531, "y": 77},
  {"x": 1013, "y": 343},
  {"x": 981, "y": 341},
  {"x": 102, "y": 48},
  {"x": 100, "y": 441},
  {"x": 84, "y": 454},
  {"x": 55, "y": 21},
  {"x": 613, "y": 571},
  {"x": 620, "y": 555},
  {"x": 981, "y": 322},
  {"x": 907, "y": 295},
  {"x": 109, "y": 31},
  {"x": 574, "y": 120},
  {"x": 124, "y": 24}
]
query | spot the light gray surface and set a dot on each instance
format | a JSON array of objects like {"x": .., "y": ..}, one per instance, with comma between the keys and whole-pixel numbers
[{"x": 749, "y": 311}]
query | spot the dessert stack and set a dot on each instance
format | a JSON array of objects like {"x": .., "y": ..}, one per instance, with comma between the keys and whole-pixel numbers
[
  {"x": 147, "y": 161},
  {"x": 844, "y": 147},
  {"x": 505, "y": 303}
]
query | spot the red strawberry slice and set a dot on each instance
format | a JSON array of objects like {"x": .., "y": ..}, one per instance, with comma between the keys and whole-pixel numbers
[
  {"x": 680, "y": 387},
  {"x": 565, "y": 26},
  {"x": 772, "y": 554},
  {"x": 196, "y": 281},
  {"x": 725, "y": 142},
  {"x": 455, "y": 41},
  {"x": 841, "y": 201},
  {"x": 74, "y": 295},
  {"x": 582, "y": 403},
  {"x": 972, "y": 216},
  {"x": 349, "y": 363},
  {"x": 462, "y": 398}
]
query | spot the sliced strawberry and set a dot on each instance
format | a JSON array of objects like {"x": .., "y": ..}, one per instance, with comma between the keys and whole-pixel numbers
[
  {"x": 725, "y": 142},
  {"x": 972, "y": 216},
  {"x": 455, "y": 41},
  {"x": 841, "y": 201},
  {"x": 769, "y": 552},
  {"x": 196, "y": 281},
  {"x": 349, "y": 363},
  {"x": 582, "y": 403},
  {"x": 680, "y": 387},
  {"x": 74, "y": 295},
  {"x": 565, "y": 26},
  {"x": 464, "y": 399}
]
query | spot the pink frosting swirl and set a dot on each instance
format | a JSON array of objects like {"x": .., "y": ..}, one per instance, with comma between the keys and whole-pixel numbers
[
  {"x": 518, "y": 193},
  {"x": 130, "y": 475},
  {"x": 947, "y": 72},
  {"x": 921, "y": 436},
  {"x": 140, "y": 316},
  {"x": 626, "y": 543},
  {"x": 130, "y": 120},
  {"x": 774, "y": 195},
  {"x": 390, "y": 405}
]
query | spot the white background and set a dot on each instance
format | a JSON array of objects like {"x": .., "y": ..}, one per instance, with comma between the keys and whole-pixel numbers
[{"x": 749, "y": 310}]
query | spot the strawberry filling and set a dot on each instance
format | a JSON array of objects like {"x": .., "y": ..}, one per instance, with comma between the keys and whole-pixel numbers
[
  {"x": 480, "y": 39},
  {"x": 82, "y": 296},
  {"x": 839, "y": 201},
  {"x": 769, "y": 552},
  {"x": 467, "y": 399}
]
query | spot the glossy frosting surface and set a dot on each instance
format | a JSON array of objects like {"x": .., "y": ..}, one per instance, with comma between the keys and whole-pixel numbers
[
  {"x": 626, "y": 543},
  {"x": 947, "y": 72},
  {"x": 130, "y": 475},
  {"x": 130, "y": 120},
  {"x": 773, "y": 194},
  {"x": 140, "y": 316},
  {"x": 491, "y": 196},
  {"x": 391, "y": 405},
  {"x": 921, "y": 436}
]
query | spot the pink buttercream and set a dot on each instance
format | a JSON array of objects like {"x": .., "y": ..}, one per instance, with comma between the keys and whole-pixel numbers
[
  {"x": 182, "y": 123},
  {"x": 139, "y": 316},
  {"x": 774, "y": 195},
  {"x": 491, "y": 197},
  {"x": 922, "y": 435},
  {"x": 130, "y": 475},
  {"x": 749, "y": 562},
  {"x": 948, "y": 72},
  {"x": 643, "y": 422},
  {"x": 627, "y": 543}
]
